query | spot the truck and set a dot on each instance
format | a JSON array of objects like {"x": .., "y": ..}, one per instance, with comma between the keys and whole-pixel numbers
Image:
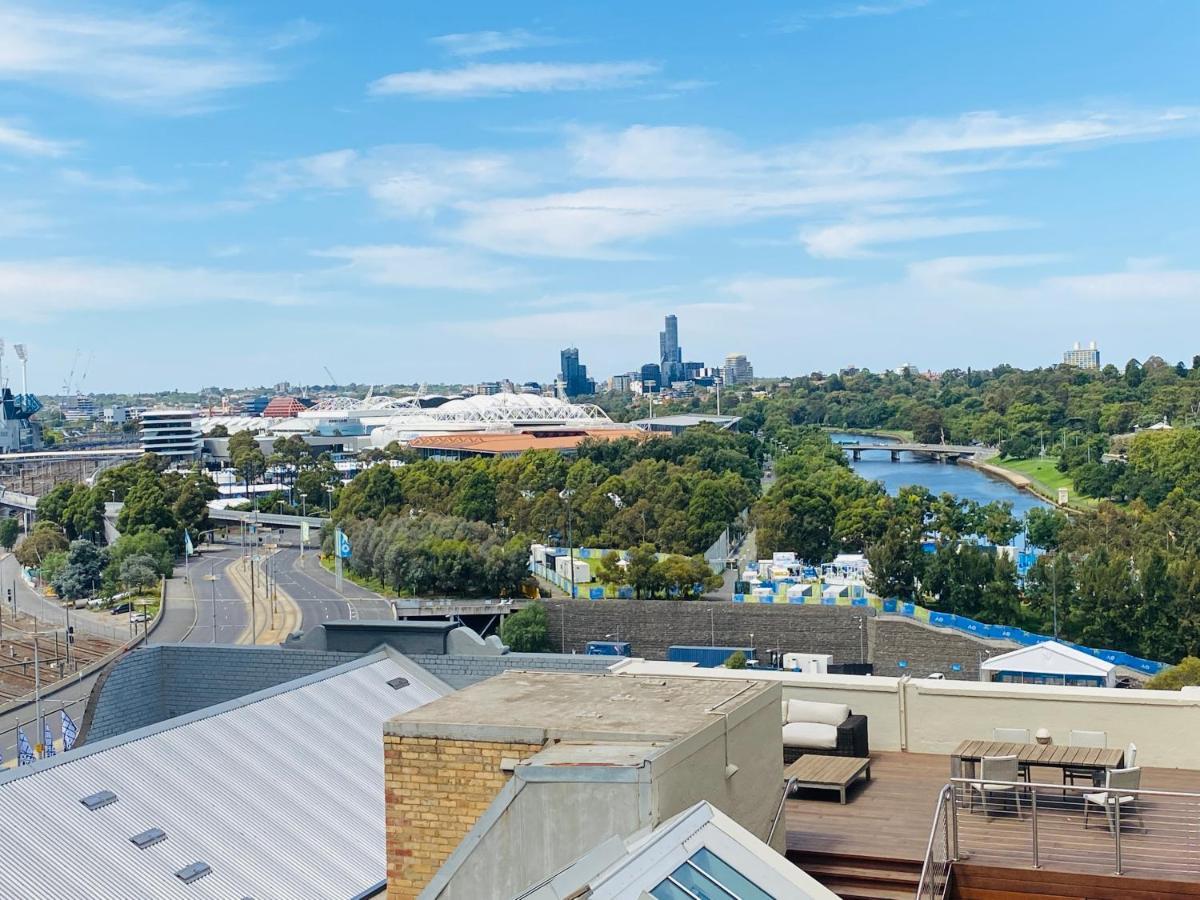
[{"x": 706, "y": 657}]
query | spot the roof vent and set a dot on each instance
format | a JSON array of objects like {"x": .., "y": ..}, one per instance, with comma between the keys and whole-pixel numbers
[
  {"x": 194, "y": 872},
  {"x": 149, "y": 838},
  {"x": 97, "y": 800},
  {"x": 396, "y": 683}
]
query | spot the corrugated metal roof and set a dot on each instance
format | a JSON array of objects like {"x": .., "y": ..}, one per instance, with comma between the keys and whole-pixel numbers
[{"x": 281, "y": 793}]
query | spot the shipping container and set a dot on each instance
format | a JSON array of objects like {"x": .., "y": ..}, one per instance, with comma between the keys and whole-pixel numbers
[
  {"x": 609, "y": 648},
  {"x": 706, "y": 657}
]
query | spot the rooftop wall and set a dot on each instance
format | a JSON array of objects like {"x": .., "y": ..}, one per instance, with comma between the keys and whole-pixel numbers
[
  {"x": 461, "y": 671},
  {"x": 928, "y": 716}
]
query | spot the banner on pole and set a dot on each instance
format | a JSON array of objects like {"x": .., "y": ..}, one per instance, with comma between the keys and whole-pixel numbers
[{"x": 343, "y": 544}]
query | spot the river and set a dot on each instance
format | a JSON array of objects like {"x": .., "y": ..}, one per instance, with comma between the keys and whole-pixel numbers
[{"x": 962, "y": 481}]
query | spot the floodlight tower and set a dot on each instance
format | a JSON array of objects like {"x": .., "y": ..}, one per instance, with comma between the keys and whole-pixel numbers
[{"x": 23, "y": 356}]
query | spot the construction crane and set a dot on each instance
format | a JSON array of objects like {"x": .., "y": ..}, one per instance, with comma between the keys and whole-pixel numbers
[
  {"x": 71, "y": 375},
  {"x": 332, "y": 377},
  {"x": 86, "y": 368}
]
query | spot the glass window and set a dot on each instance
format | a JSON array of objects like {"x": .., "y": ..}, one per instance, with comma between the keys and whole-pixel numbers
[{"x": 708, "y": 877}]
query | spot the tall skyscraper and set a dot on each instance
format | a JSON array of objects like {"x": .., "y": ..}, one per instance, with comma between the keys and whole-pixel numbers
[
  {"x": 1081, "y": 358},
  {"x": 574, "y": 377},
  {"x": 669, "y": 353}
]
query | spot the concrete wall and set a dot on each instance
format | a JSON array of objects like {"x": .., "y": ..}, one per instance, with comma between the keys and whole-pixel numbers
[
  {"x": 160, "y": 682},
  {"x": 653, "y": 625},
  {"x": 925, "y": 649},
  {"x": 695, "y": 769},
  {"x": 545, "y": 828},
  {"x": 461, "y": 671},
  {"x": 927, "y": 716}
]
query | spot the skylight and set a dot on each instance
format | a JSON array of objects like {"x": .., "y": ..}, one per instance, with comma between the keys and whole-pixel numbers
[
  {"x": 99, "y": 799},
  {"x": 397, "y": 683},
  {"x": 705, "y": 876},
  {"x": 149, "y": 838},
  {"x": 194, "y": 872}
]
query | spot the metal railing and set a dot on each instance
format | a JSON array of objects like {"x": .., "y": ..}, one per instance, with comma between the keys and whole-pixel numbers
[
  {"x": 942, "y": 849},
  {"x": 1078, "y": 827}
]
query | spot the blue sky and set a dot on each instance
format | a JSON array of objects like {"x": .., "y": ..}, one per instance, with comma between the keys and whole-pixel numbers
[{"x": 244, "y": 193}]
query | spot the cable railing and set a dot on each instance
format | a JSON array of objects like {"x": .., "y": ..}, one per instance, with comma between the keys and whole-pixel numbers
[
  {"x": 1086, "y": 827},
  {"x": 942, "y": 850}
]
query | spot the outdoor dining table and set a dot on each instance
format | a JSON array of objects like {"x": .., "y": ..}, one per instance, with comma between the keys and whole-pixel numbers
[{"x": 1053, "y": 756}]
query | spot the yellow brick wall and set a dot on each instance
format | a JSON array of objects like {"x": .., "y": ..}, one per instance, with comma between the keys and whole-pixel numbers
[{"x": 435, "y": 790}]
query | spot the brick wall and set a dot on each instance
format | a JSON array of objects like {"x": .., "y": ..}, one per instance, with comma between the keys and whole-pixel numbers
[
  {"x": 653, "y": 625},
  {"x": 926, "y": 650},
  {"x": 434, "y": 791},
  {"x": 462, "y": 671}
]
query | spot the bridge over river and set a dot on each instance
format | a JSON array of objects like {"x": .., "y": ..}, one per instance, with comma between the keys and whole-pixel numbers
[{"x": 940, "y": 452}]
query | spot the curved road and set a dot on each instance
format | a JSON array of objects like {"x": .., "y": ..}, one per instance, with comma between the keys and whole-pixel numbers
[{"x": 312, "y": 589}]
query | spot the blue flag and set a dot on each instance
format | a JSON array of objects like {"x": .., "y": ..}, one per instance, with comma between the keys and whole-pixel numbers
[
  {"x": 343, "y": 544},
  {"x": 187, "y": 544},
  {"x": 47, "y": 739},
  {"x": 24, "y": 750},
  {"x": 69, "y": 731}
]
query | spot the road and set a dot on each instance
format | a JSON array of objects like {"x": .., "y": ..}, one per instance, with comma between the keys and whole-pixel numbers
[
  {"x": 50, "y": 613},
  {"x": 312, "y": 589},
  {"x": 222, "y": 613}
]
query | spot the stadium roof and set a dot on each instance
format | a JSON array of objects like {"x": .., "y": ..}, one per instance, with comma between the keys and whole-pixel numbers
[
  {"x": 686, "y": 420},
  {"x": 280, "y": 794},
  {"x": 515, "y": 443}
]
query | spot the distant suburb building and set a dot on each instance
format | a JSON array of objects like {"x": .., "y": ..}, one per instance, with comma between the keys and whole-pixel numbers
[
  {"x": 1081, "y": 358},
  {"x": 737, "y": 369},
  {"x": 171, "y": 432}
]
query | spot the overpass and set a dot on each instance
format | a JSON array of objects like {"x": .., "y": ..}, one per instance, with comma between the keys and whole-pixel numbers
[
  {"x": 17, "y": 500},
  {"x": 221, "y": 514},
  {"x": 940, "y": 452}
]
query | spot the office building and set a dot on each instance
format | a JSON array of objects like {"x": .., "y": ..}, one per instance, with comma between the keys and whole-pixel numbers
[
  {"x": 1081, "y": 358},
  {"x": 171, "y": 432},
  {"x": 737, "y": 369},
  {"x": 669, "y": 354},
  {"x": 651, "y": 378},
  {"x": 622, "y": 384},
  {"x": 573, "y": 377}
]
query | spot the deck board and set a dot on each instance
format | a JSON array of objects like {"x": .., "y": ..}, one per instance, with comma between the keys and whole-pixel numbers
[{"x": 889, "y": 817}]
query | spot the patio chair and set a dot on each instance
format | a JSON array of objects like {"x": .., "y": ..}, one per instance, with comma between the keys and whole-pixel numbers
[
  {"x": 1130, "y": 755},
  {"x": 994, "y": 772},
  {"x": 1014, "y": 736},
  {"x": 1086, "y": 739},
  {"x": 1116, "y": 781}
]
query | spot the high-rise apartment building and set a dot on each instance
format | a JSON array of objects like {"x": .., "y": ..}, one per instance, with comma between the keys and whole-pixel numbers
[
  {"x": 737, "y": 369},
  {"x": 1082, "y": 358},
  {"x": 574, "y": 377},
  {"x": 171, "y": 432},
  {"x": 669, "y": 353}
]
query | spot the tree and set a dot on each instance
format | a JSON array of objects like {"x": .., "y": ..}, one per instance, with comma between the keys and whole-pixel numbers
[
  {"x": 42, "y": 541},
  {"x": 736, "y": 660},
  {"x": 527, "y": 630},
  {"x": 10, "y": 530},
  {"x": 686, "y": 578},
  {"x": 52, "y": 506},
  {"x": 1043, "y": 527},
  {"x": 138, "y": 572},
  {"x": 83, "y": 571},
  {"x": 895, "y": 561},
  {"x": 1183, "y": 675},
  {"x": 643, "y": 572},
  {"x": 612, "y": 569},
  {"x": 52, "y": 565},
  {"x": 191, "y": 508},
  {"x": 83, "y": 516},
  {"x": 218, "y": 431},
  {"x": 146, "y": 509}
]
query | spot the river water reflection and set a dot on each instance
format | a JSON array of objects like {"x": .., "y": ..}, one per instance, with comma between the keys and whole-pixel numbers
[{"x": 962, "y": 481}]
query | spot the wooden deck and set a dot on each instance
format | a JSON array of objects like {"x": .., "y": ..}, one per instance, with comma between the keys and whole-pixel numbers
[{"x": 889, "y": 817}]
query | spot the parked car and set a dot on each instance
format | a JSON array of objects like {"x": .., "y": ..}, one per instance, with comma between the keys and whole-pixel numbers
[
  {"x": 123, "y": 608},
  {"x": 138, "y": 617}
]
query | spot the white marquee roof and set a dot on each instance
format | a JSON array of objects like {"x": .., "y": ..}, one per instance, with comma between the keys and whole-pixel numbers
[{"x": 1049, "y": 657}]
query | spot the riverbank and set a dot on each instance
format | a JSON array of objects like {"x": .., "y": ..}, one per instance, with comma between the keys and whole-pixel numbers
[{"x": 1041, "y": 478}]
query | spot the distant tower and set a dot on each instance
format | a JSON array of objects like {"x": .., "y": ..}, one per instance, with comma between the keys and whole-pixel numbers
[
  {"x": 669, "y": 353},
  {"x": 1081, "y": 358}
]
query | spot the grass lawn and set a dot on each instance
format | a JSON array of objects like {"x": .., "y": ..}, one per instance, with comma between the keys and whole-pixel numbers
[{"x": 1042, "y": 471}]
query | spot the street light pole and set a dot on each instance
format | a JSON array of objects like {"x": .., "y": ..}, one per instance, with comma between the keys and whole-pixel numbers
[{"x": 567, "y": 494}]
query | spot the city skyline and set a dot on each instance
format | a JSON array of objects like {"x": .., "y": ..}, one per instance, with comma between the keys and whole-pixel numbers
[{"x": 190, "y": 191}]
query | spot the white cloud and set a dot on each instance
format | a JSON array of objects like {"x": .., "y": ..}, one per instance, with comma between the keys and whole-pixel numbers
[
  {"x": 21, "y": 222},
  {"x": 18, "y": 140},
  {"x": 396, "y": 265},
  {"x": 491, "y": 79},
  {"x": 800, "y": 21},
  {"x": 854, "y": 239},
  {"x": 479, "y": 43},
  {"x": 173, "y": 60},
  {"x": 759, "y": 290},
  {"x": 43, "y": 289},
  {"x": 122, "y": 181},
  {"x": 1135, "y": 287}
]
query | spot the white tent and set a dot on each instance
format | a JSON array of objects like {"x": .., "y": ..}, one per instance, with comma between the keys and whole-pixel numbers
[{"x": 1049, "y": 663}]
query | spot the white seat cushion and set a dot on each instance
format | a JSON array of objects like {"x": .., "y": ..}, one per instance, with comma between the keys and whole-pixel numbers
[
  {"x": 810, "y": 735},
  {"x": 822, "y": 713}
]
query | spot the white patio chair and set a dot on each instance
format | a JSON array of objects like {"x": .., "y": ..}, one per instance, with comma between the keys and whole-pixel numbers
[
  {"x": 1130, "y": 755},
  {"x": 994, "y": 772},
  {"x": 1116, "y": 782},
  {"x": 1014, "y": 736},
  {"x": 1086, "y": 739}
]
